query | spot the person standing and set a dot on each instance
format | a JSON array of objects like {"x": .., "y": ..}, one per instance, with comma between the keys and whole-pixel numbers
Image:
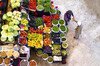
[
  {"x": 68, "y": 16},
  {"x": 78, "y": 30}
]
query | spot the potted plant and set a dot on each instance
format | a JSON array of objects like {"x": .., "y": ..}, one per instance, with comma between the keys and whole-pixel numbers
[
  {"x": 55, "y": 29},
  {"x": 64, "y": 45},
  {"x": 61, "y": 22},
  {"x": 50, "y": 60},
  {"x": 63, "y": 28},
  {"x": 64, "y": 52},
  {"x": 55, "y": 22},
  {"x": 39, "y": 53},
  {"x": 45, "y": 56},
  {"x": 39, "y": 21},
  {"x": 40, "y": 10}
]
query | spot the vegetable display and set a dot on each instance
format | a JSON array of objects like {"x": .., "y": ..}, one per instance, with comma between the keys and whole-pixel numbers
[{"x": 36, "y": 25}]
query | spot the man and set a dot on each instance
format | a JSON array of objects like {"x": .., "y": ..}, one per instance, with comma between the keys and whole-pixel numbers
[
  {"x": 78, "y": 30},
  {"x": 68, "y": 16}
]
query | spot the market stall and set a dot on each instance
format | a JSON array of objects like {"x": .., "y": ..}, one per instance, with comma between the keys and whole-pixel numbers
[{"x": 32, "y": 27}]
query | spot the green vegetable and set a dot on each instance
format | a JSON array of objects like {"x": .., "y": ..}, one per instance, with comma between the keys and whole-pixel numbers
[
  {"x": 64, "y": 52},
  {"x": 40, "y": 8},
  {"x": 62, "y": 35},
  {"x": 61, "y": 22},
  {"x": 9, "y": 14},
  {"x": 45, "y": 55},
  {"x": 4, "y": 17},
  {"x": 3, "y": 38},
  {"x": 67, "y": 29},
  {"x": 47, "y": 9},
  {"x": 40, "y": 2},
  {"x": 65, "y": 45},
  {"x": 50, "y": 59},
  {"x": 55, "y": 28},
  {"x": 58, "y": 12},
  {"x": 56, "y": 46},
  {"x": 10, "y": 39},
  {"x": 56, "y": 52},
  {"x": 53, "y": 11},
  {"x": 39, "y": 52},
  {"x": 63, "y": 28},
  {"x": 39, "y": 21},
  {"x": 55, "y": 22},
  {"x": 63, "y": 39}
]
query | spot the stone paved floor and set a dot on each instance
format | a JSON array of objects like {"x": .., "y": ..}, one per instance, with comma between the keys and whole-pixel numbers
[{"x": 86, "y": 50}]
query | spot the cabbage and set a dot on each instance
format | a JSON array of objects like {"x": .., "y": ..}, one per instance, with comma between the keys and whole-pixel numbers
[
  {"x": 4, "y": 17},
  {"x": 15, "y": 33},
  {"x": 3, "y": 38},
  {"x": 12, "y": 1},
  {"x": 10, "y": 39},
  {"x": 10, "y": 34},
  {"x": 19, "y": 18},
  {"x": 10, "y": 29},
  {"x": 15, "y": 21},
  {"x": 9, "y": 14},
  {"x": 3, "y": 33},
  {"x": 18, "y": 4},
  {"x": 4, "y": 27},
  {"x": 11, "y": 23},
  {"x": 16, "y": 27},
  {"x": 9, "y": 19}
]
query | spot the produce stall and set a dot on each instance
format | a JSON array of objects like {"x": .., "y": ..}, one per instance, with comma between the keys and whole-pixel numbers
[{"x": 31, "y": 27}]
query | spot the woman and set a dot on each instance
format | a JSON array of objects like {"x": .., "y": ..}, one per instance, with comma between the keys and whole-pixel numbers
[{"x": 68, "y": 15}]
